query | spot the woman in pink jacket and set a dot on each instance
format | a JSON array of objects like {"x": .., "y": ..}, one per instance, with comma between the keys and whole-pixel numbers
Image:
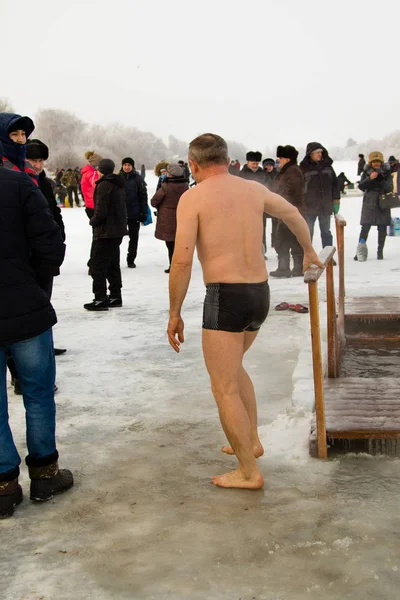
[{"x": 88, "y": 183}]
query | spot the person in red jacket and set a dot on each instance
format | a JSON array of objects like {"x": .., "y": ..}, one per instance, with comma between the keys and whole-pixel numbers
[{"x": 90, "y": 175}]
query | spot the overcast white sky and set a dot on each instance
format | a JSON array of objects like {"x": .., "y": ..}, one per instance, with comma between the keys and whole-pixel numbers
[{"x": 262, "y": 72}]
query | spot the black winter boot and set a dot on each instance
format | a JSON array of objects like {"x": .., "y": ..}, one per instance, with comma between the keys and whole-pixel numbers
[
  {"x": 297, "y": 270},
  {"x": 10, "y": 497},
  {"x": 381, "y": 244},
  {"x": 48, "y": 481},
  {"x": 114, "y": 301},
  {"x": 283, "y": 271},
  {"x": 97, "y": 305}
]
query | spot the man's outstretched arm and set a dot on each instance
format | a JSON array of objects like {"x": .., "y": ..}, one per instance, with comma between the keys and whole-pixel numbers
[{"x": 181, "y": 267}]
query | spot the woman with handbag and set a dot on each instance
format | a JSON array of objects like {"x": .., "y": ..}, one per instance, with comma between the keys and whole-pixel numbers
[{"x": 376, "y": 182}]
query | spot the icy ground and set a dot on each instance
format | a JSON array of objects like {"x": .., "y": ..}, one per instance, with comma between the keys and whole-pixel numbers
[{"x": 138, "y": 426}]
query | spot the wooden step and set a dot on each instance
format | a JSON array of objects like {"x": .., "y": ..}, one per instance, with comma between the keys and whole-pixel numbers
[{"x": 356, "y": 407}]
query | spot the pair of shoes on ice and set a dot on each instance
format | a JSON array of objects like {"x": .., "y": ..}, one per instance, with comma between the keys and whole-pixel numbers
[
  {"x": 295, "y": 307},
  {"x": 104, "y": 304},
  {"x": 17, "y": 387},
  {"x": 131, "y": 265},
  {"x": 46, "y": 482}
]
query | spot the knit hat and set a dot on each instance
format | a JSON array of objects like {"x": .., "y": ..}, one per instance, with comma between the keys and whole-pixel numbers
[
  {"x": 361, "y": 156},
  {"x": 253, "y": 156},
  {"x": 106, "y": 166},
  {"x": 392, "y": 159},
  {"x": 289, "y": 152},
  {"x": 93, "y": 157},
  {"x": 376, "y": 156},
  {"x": 268, "y": 161},
  {"x": 24, "y": 123},
  {"x": 128, "y": 161},
  {"x": 175, "y": 170},
  {"x": 35, "y": 149}
]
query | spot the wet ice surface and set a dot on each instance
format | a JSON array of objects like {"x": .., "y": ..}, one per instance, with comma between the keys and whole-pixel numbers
[
  {"x": 378, "y": 361},
  {"x": 139, "y": 428}
]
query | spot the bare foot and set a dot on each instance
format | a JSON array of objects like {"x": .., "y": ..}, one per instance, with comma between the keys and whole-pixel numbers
[
  {"x": 258, "y": 450},
  {"x": 236, "y": 479}
]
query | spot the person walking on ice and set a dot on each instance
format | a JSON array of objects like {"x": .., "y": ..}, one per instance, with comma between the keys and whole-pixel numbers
[{"x": 228, "y": 238}]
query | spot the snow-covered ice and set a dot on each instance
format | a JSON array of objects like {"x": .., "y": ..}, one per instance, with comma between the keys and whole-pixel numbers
[{"x": 138, "y": 426}]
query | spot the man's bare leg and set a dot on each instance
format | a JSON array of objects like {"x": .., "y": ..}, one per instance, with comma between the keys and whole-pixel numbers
[
  {"x": 223, "y": 354},
  {"x": 247, "y": 394}
]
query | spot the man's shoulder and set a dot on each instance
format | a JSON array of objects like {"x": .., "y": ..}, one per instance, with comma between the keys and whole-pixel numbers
[{"x": 17, "y": 178}]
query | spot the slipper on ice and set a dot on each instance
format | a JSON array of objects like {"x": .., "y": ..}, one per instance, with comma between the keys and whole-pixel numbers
[
  {"x": 298, "y": 308},
  {"x": 282, "y": 306}
]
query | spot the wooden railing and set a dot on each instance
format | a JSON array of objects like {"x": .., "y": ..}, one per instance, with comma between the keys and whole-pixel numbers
[{"x": 335, "y": 326}]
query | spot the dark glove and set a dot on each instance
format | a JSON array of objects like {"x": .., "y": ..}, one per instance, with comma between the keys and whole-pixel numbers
[{"x": 143, "y": 217}]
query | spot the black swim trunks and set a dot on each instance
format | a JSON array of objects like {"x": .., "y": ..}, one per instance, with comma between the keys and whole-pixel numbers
[{"x": 235, "y": 307}]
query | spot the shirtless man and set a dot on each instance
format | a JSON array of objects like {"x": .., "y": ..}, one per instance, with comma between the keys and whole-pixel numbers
[{"x": 222, "y": 217}]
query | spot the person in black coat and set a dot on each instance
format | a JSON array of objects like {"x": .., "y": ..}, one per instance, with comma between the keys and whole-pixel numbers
[
  {"x": 253, "y": 172},
  {"x": 31, "y": 251},
  {"x": 322, "y": 195},
  {"x": 342, "y": 180},
  {"x": 361, "y": 164},
  {"x": 136, "y": 206},
  {"x": 37, "y": 153},
  {"x": 109, "y": 227},
  {"x": 289, "y": 183}
]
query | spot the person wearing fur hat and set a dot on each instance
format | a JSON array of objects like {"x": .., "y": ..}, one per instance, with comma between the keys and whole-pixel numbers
[
  {"x": 322, "y": 195},
  {"x": 14, "y": 132},
  {"x": 376, "y": 179},
  {"x": 88, "y": 182},
  {"x": 289, "y": 183},
  {"x": 160, "y": 171},
  {"x": 253, "y": 172},
  {"x": 136, "y": 206},
  {"x": 109, "y": 227},
  {"x": 166, "y": 200},
  {"x": 37, "y": 153}
]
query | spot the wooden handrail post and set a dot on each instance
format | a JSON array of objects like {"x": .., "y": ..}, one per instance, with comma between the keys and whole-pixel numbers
[
  {"x": 331, "y": 321},
  {"x": 317, "y": 368}
]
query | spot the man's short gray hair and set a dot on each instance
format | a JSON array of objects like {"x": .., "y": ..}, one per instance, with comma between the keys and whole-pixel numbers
[{"x": 209, "y": 149}]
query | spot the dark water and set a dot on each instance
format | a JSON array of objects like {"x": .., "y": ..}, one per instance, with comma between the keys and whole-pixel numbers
[{"x": 380, "y": 360}]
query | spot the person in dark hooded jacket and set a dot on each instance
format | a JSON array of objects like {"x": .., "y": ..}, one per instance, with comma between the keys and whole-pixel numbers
[
  {"x": 14, "y": 132},
  {"x": 136, "y": 206},
  {"x": 322, "y": 195},
  {"x": 289, "y": 183},
  {"x": 31, "y": 249},
  {"x": 109, "y": 227}
]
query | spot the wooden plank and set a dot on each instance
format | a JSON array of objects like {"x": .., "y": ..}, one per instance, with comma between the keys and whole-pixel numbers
[
  {"x": 317, "y": 369},
  {"x": 372, "y": 306},
  {"x": 331, "y": 321},
  {"x": 357, "y": 408},
  {"x": 313, "y": 273}
]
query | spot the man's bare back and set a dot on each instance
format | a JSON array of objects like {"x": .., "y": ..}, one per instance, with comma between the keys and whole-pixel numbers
[{"x": 230, "y": 229}]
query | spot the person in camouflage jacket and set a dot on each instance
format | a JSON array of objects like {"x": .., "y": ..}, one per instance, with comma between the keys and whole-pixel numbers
[{"x": 71, "y": 181}]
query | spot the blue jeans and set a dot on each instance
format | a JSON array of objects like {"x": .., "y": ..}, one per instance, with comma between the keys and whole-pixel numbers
[
  {"x": 324, "y": 226},
  {"x": 35, "y": 364}
]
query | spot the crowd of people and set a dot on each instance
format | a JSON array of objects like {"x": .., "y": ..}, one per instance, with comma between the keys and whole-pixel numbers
[{"x": 32, "y": 246}]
